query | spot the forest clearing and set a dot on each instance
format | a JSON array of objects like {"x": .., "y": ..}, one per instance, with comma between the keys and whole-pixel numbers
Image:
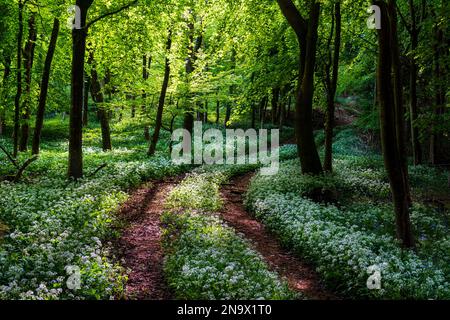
[{"x": 224, "y": 150}]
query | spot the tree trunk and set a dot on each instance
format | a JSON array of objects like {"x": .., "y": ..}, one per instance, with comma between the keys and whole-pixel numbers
[
  {"x": 389, "y": 97},
  {"x": 331, "y": 85},
  {"x": 162, "y": 98},
  {"x": 414, "y": 32},
  {"x": 193, "y": 49},
  {"x": 75, "y": 168},
  {"x": 306, "y": 31},
  {"x": 98, "y": 97},
  {"x": 217, "y": 111},
  {"x": 145, "y": 76},
  {"x": 262, "y": 112},
  {"x": 227, "y": 114},
  {"x": 28, "y": 63},
  {"x": 205, "y": 113},
  {"x": 6, "y": 74},
  {"x": 19, "y": 82},
  {"x": 309, "y": 156},
  {"x": 274, "y": 103},
  {"x": 44, "y": 88},
  {"x": 439, "y": 107},
  {"x": 253, "y": 115},
  {"x": 87, "y": 84},
  {"x": 288, "y": 113}
]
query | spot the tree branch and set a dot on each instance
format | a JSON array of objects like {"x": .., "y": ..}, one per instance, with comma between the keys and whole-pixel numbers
[
  {"x": 13, "y": 161},
  {"x": 104, "y": 165},
  {"x": 293, "y": 16},
  {"x": 22, "y": 169},
  {"x": 110, "y": 13}
]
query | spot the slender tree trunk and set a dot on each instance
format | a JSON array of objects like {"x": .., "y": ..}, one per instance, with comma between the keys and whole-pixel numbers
[
  {"x": 162, "y": 98},
  {"x": 217, "y": 111},
  {"x": 205, "y": 113},
  {"x": 193, "y": 49},
  {"x": 388, "y": 95},
  {"x": 253, "y": 115},
  {"x": 274, "y": 103},
  {"x": 28, "y": 63},
  {"x": 44, "y": 88},
  {"x": 145, "y": 75},
  {"x": 289, "y": 107},
  {"x": 6, "y": 74},
  {"x": 87, "y": 84},
  {"x": 331, "y": 84},
  {"x": 438, "y": 108},
  {"x": 75, "y": 168},
  {"x": 19, "y": 82},
  {"x": 414, "y": 33},
  {"x": 98, "y": 97},
  {"x": 262, "y": 112}
]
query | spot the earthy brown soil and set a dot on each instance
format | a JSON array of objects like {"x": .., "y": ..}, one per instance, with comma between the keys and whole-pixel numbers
[
  {"x": 300, "y": 276},
  {"x": 140, "y": 243}
]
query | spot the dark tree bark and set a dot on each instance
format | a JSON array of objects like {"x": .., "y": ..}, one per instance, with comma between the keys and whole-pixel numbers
[
  {"x": 414, "y": 31},
  {"x": 44, "y": 88},
  {"x": 389, "y": 99},
  {"x": 193, "y": 49},
  {"x": 253, "y": 115},
  {"x": 98, "y": 97},
  {"x": 19, "y": 82},
  {"x": 217, "y": 111},
  {"x": 331, "y": 77},
  {"x": 274, "y": 103},
  {"x": 282, "y": 115},
  {"x": 87, "y": 84},
  {"x": 288, "y": 112},
  {"x": 398, "y": 89},
  {"x": 439, "y": 107},
  {"x": 306, "y": 32},
  {"x": 262, "y": 110},
  {"x": 6, "y": 74},
  {"x": 205, "y": 113},
  {"x": 309, "y": 156},
  {"x": 162, "y": 99},
  {"x": 232, "y": 90},
  {"x": 145, "y": 75},
  {"x": 133, "y": 108},
  {"x": 227, "y": 114},
  {"x": 75, "y": 169},
  {"x": 28, "y": 60}
]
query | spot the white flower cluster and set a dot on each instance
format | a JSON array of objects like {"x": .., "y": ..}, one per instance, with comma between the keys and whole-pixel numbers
[
  {"x": 53, "y": 224},
  {"x": 344, "y": 242}
]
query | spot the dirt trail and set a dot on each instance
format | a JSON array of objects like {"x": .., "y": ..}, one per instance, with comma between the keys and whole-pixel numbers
[
  {"x": 140, "y": 243},
  {"x": 139, "y": 246},
  {"x": 300, "y": 276}
]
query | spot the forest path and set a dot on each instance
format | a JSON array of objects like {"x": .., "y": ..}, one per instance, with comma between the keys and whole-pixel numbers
[
  {"x": 300, "y": 276},
  {"x": 140, "y": 243},
  {"x": 139, "y": 246}
]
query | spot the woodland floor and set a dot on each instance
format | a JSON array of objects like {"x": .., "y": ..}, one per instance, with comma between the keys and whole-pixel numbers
[{"x": 140, "y": 249}]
